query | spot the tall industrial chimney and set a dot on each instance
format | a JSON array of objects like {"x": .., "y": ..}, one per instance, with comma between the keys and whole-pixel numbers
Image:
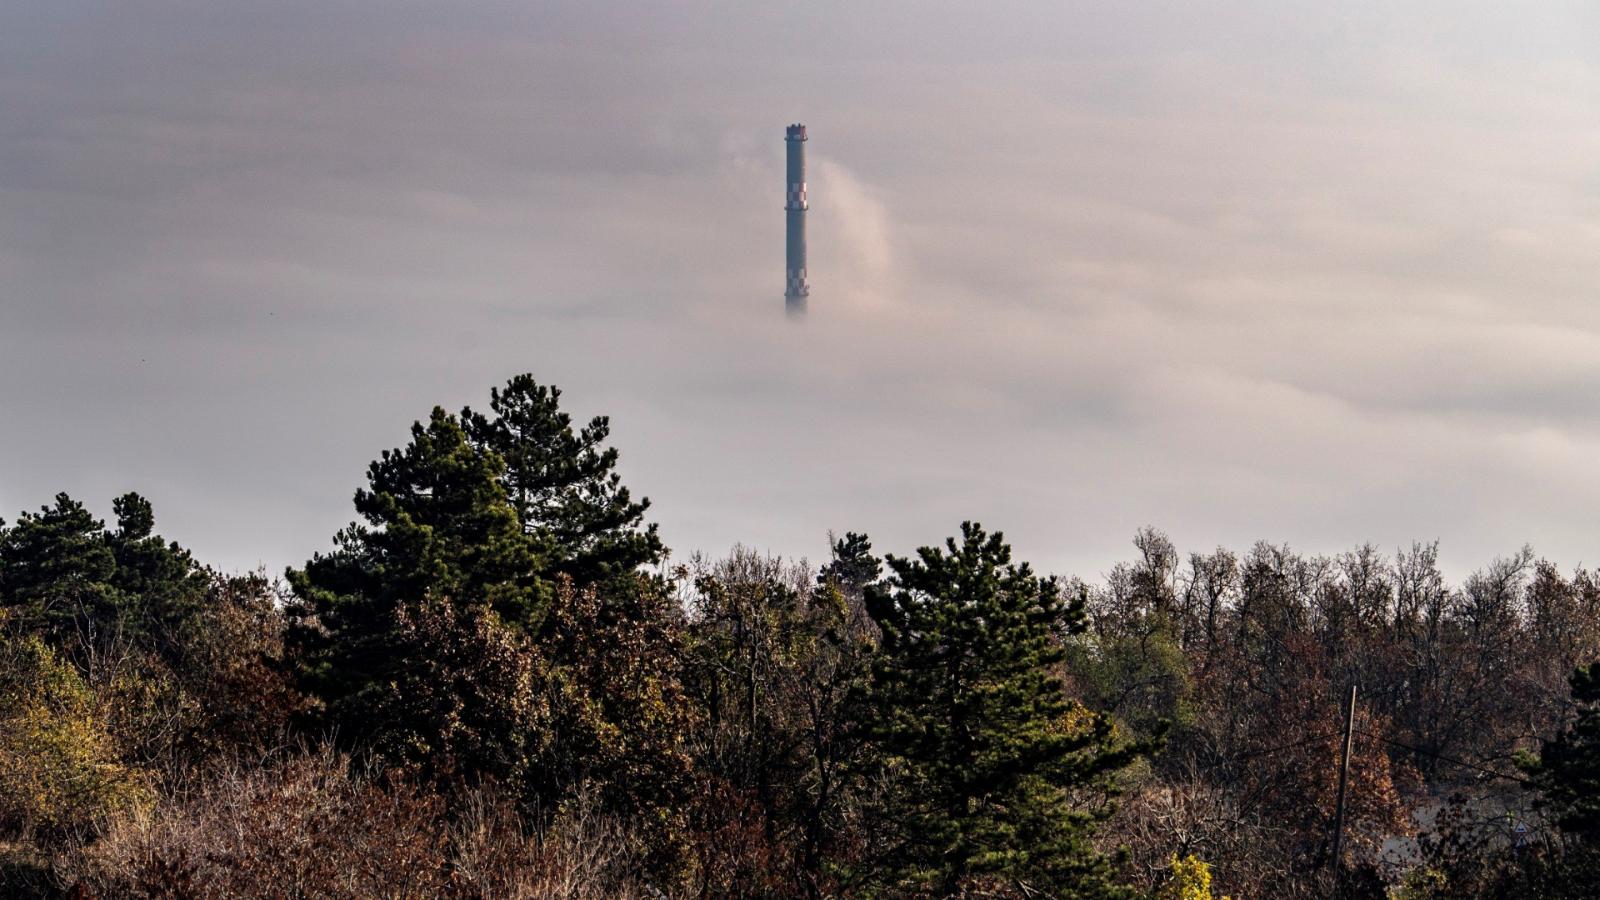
[{"x": 795, "y": 289}]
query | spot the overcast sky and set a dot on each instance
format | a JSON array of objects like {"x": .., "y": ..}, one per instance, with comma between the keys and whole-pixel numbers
[{"x": 1315, "y": 273}]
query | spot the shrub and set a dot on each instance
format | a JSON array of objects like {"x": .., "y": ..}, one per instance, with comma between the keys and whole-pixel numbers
[
  {"x": 1190, "y": 879},
  {"x": 303, "y": 825},
  {"x": 58, "y": 763}
]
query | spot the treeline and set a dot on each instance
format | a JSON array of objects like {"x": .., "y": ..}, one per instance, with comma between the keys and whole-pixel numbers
[{"x": 496, "y": 683}]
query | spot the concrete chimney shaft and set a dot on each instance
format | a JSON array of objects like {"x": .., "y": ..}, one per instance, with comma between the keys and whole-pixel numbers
[{"x": 795, "y": 288}]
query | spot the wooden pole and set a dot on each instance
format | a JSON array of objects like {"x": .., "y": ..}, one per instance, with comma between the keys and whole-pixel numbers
[{"x": 1344, "y": 778}]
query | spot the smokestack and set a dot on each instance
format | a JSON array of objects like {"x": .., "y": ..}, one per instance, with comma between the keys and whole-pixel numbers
[{"x": 795, "y": 289}]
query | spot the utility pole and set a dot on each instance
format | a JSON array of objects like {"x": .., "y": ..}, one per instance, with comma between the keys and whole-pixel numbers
[{"x": 1344, "y": 779}]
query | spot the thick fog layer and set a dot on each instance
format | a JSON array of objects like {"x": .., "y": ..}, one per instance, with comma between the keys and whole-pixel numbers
[{"x": 1320, "y": 275}]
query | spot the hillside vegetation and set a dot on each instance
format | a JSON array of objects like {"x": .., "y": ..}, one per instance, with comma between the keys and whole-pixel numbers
[{"x": 496, "y": 682}]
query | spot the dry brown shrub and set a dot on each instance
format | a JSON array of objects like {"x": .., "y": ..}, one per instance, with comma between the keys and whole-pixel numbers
[
  {"x": 581, "y": 853},
  {"x": 734, "y": 854},
  {"x": 1184, "y": 815},
  {"x": 303, "y": 826}
]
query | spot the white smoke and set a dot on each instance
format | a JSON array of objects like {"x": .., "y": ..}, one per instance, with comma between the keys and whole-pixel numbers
[{"x": 852, "y": 248}]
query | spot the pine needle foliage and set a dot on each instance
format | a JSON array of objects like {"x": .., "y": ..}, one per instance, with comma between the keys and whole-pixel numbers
[
  {"x": 984, "y": 748},
  {"x": 1567, "y": 773},
  {"x": 562, "y": 481}
]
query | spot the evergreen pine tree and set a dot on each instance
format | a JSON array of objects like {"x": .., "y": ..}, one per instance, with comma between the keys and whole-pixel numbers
[
  {"x": 852, "y": 566},
  {"x": 160, "y": 583},
  {"x": 1567, "y": 773},
  {"x": 56, "y": 571},
  {"x": 444, "y": 629},
  {"x": 1567, "y": 776},
  {"x": 563, "y": 482},
  {"x": 437, "y": 528},
  {"x": 829, "y": 682},
  {"x": 68, "y": 579},
  {"x": 983, "y": 745}
]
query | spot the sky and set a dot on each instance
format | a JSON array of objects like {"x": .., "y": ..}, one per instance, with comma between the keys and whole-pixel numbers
[{"x": 1313, "y": 273}]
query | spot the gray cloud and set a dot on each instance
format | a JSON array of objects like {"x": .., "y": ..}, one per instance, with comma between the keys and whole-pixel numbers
[{"x": 1321, "y": 276}]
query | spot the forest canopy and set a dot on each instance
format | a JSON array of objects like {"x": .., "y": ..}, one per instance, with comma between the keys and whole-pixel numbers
[{"x": 497, "y": 682}]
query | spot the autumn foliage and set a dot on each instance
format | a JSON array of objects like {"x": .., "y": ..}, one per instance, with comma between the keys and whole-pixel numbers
[{"x": 496, "y": 683}]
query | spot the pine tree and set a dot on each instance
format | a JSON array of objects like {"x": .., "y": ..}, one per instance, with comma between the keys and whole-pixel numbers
[
  {"x": 1567, "y": 776},
  {"x": 983, "y": 745},
  {"x": 828, "y": 683},
  {"x": 438, "y": 529},
  {"x": 852, "y": 567},
  {"x": 56, "y": 572},
  {"x": 444, "y": 630},
  {"x": 160, "y": 584},
  {"x": 1567, "y": 773},
  {"x": 563, "y": 482},
  {"x": 80, "y": 586}
]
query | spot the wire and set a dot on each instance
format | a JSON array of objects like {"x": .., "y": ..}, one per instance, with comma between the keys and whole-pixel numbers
[
  {"x": 1251, "y": 754},
  {"x": 1442, "y": 758}
]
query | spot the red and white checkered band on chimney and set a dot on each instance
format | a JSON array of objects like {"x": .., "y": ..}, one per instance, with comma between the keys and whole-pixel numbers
[{"x": 797, "y": 196}]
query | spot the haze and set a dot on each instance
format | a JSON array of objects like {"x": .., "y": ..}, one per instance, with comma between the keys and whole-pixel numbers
[{"x": 1311, "y": 274}]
